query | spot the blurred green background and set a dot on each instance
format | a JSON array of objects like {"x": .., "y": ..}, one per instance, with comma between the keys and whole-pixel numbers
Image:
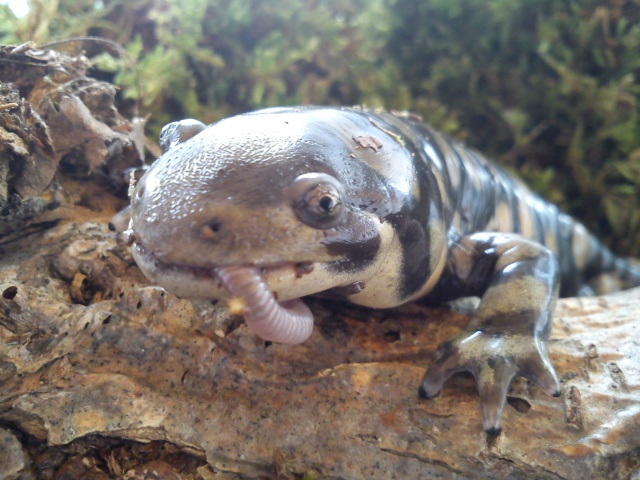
[{"x": 549, "y": 88}]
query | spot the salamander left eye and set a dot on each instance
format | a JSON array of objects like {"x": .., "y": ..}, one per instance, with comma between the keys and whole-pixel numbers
[{"x": 317, "y": 200}]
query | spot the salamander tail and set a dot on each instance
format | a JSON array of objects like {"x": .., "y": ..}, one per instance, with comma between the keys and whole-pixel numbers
[{"x": 610, "y": 273}]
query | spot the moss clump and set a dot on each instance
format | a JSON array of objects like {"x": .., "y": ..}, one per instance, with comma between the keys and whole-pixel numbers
[{"x": 548, "y": 87}]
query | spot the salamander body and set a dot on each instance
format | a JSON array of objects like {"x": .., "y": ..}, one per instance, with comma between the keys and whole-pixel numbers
[{"x": 375, "y": 208}]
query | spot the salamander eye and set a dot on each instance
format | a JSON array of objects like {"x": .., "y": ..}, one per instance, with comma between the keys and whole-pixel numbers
[{"x": 317, "y": 200}]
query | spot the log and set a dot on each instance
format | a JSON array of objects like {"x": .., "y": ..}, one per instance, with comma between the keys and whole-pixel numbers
[{"x": 89, "y": 348}]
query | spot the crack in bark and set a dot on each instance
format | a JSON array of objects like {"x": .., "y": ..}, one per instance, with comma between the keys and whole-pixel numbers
[
  {"x": 526, "y": 469},
  {"x": 438, "y": 463}
]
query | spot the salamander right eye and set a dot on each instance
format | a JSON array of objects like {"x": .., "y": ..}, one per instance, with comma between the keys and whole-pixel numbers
[{"x": 317, "y": 200}]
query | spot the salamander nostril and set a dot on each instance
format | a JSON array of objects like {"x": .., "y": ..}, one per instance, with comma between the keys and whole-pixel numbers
[{"x": 210, "y": 230}]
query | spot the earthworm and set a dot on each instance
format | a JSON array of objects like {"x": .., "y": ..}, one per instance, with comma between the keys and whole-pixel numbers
[{"x": 288, "y": 322}]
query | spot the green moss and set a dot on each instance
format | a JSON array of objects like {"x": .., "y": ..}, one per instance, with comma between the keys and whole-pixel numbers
[
  {"x": 7, "y": 26},
  {"x": 548, "y": 87}
]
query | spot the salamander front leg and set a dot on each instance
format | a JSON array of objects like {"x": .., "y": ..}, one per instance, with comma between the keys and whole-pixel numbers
[{"x": 517, "y": 280}]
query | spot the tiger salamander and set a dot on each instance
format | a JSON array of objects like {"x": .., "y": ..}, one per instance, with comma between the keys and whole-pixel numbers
[{"x": 376, "y": 208}]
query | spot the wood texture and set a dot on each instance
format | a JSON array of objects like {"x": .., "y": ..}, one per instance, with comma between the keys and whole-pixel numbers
[{"x": 89, "y": 348}]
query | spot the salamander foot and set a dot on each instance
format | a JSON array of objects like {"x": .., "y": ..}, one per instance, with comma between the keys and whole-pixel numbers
[{"x": 493, "y": 360}]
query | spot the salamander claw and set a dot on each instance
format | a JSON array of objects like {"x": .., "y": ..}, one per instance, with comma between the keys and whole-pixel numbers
[
  {"x": 539, "y": 370},
  {"x": 447, "y": 362},
  {"x": 494, "y": 360},
  {"x": 493, "y": 384}
]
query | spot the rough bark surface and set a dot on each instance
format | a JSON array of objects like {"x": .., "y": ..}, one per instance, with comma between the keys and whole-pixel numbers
[
  {"x": 105, "y": 376},
  {"x": 54, "y": 119}
]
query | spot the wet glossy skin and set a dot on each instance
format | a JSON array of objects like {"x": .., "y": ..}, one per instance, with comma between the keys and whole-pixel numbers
[
  {"x": 225, "y": 198},
  {"x": 375, "y": 208}
]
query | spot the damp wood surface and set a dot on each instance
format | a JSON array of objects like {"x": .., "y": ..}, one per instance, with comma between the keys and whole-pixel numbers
[
  {"x": 88, "y": 348},
  {"x": 103, "y": 375}
]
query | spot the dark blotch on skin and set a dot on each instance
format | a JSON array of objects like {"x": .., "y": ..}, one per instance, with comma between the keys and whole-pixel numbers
[
  {"x": 358, "y": 254},
  {"x": 416, "y": 259},
  {"x": 516, "y": 323},
  {"x": 451, "y": 286},
  {"x": 411, "y": 223}
]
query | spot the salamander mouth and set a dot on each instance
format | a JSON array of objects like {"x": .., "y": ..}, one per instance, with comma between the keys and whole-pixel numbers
[
  {"x": 287, "y": 322},
  {"x": 149, "y": 262}
]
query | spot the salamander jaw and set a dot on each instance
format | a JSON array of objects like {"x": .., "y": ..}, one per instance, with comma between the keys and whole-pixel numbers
[
  {"x": 280, "y": 318},
  {"x": 286, "y": 280}
]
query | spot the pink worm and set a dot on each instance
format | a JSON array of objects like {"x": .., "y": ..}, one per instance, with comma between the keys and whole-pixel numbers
[{"x": 288, "y": 322}]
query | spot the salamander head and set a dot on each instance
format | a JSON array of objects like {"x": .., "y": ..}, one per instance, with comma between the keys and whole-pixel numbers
[{"x": 287, "y": 193}]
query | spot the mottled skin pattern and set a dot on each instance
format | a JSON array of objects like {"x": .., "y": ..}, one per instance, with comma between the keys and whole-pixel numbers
[{"x": 408, "y": 213}]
